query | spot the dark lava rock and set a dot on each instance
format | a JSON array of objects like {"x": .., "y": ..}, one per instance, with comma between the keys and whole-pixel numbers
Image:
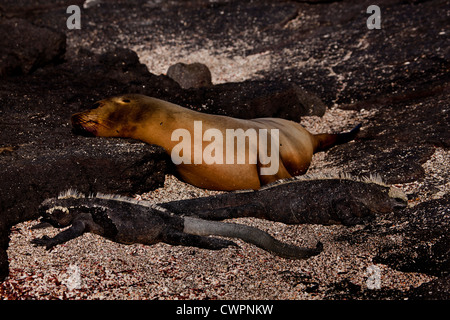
[
  {"x": 25, "y": 47},
  {"x": 40, "y": 156},
  {"x": 425, "y": 239},
  {"x": 194, "y": 75},
  {"x": 398, "y": 139},
  {"x": 438, "y": 289},
  {"x": 256, "y": 99},
  {"x": 347, "y": 290},
  {"x": 415, "y": 239}
]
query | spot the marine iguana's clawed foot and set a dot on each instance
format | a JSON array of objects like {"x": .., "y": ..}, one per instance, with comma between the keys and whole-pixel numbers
[
  {"x": 185, "y": 239},
  {"x": 45, "y": 241},
  {"x": 216, "y": 244},
  {"x": 318, "y": 249}
]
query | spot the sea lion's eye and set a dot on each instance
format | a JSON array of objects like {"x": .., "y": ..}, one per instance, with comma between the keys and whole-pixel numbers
[{"x": 125, "y": 100}]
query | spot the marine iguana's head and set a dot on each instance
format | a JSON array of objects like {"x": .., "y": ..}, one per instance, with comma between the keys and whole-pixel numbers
[
  {"x": 60, "y": 211},
  {"x": 364, "y": 200},
  {"x": 342, "y": 198},
  {"x": 56, "y": 215},
  {"x": 378, "y": 197}
]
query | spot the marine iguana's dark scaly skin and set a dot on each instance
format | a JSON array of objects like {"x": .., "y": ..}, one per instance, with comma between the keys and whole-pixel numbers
[
  {"x": 127, "y": 221},
  {"x": 324, "y": 201},
  {"x": 321, "y": 201}
]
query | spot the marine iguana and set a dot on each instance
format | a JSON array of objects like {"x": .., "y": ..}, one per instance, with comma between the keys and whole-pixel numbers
[
  {"x": 125, "y": 220},
  {"x": 320, "y": 199}
]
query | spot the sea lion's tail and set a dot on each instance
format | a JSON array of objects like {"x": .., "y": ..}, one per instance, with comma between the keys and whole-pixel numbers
[
  {"x": 251, "y": 235},
  {"x": 325, "y": 141}
]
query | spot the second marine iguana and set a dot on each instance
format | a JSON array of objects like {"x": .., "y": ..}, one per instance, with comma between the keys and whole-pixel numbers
[
  {"x": 125, "y": 220},
  {"x": 320, "y": 199}
]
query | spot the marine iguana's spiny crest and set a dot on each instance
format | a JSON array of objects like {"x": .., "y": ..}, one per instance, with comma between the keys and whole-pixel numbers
[
  {"x": 394, "y": 192},
  {"x": 74, "y": 194}
]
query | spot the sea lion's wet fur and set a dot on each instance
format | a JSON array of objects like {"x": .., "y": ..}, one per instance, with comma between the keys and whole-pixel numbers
[{"x": 153, "y": 121}]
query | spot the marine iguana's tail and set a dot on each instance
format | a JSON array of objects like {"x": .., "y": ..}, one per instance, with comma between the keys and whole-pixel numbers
[
  {"x": 325, "y": 141},
  {"x": 248, "y": 234}
]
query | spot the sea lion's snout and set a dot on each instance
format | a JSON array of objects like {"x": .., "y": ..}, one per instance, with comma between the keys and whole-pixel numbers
[{"x": 80, "y": 127}]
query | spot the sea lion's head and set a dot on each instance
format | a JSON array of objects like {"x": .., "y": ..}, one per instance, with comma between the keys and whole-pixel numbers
[{"x": 111, "y": 117}]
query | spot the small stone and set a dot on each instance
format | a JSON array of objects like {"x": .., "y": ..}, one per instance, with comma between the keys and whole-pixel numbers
[{"x": 195, "y": 75}]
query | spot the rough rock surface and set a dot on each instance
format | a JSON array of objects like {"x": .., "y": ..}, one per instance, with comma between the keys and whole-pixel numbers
[
  {"x": 25, "y": 47},
  {"x": 396, "y": 79},
  {"x": 193, "y": 75},
  {"x": 421, "y": 239},
  {"x": 40, "y": 156}
]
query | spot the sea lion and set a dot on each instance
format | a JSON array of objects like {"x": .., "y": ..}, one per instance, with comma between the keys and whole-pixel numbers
[{"x": 155, "y": 121}]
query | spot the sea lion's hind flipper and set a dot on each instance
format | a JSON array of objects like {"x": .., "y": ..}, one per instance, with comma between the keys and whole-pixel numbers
[
  {"x": 348, "y": 136},
  {"x": 325, "y": 141}
]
